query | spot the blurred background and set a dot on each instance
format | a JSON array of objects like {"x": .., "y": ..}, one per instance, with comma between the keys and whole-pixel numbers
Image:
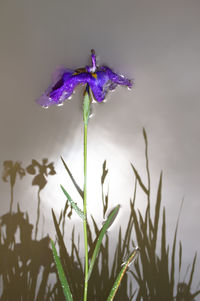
[{"x": 156, "y": 43}]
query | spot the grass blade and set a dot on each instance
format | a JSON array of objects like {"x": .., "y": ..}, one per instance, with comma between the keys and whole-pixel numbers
[
  {"x": 74, "y": 205},
  {"x": 61, "y": 274},
  {"x": 121, "y": 275},
  {"x": 107, "y": 224}
]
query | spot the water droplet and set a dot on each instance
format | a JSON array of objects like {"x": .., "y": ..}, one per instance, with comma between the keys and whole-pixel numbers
[
  {"x": 91, "y": 115},
  {"x": 45, "y": 107},
  {"x": 123, "y": 263},
  {"x": 133, "y": 259},
  {"x": 60, "y": 104},
  {"x": 105, "y": 100},
  {"x": 129, "y": 88}
]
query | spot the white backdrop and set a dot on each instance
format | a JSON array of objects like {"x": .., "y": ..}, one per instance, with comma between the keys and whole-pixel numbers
[{"x": 156, "y": 43}]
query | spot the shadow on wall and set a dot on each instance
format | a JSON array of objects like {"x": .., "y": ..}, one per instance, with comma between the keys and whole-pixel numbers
[{"x": 26, "y": 263}]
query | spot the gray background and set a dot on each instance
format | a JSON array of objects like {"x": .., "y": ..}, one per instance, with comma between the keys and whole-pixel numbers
[{"x": 155, "y": 42}]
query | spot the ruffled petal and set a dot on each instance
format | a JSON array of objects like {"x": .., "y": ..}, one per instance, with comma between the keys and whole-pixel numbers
[
  {"x": 62, "y": 87},
  {"x": 99, "y": 85},
  {"x": 45, "y": 101},
  {"x": 58, "y": 78},
  {"x": 59, "y": 72},
  {"x": 64, "y": 81},
  {"x": 116, "y": 78}
]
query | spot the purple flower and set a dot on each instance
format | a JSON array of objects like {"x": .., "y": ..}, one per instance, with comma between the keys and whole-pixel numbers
[{"x": 100, "y": 79}]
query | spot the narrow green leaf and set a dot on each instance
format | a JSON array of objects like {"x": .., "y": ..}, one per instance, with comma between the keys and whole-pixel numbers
[
  {"x": 118, "y": 280},
  {"x": 105, "y": 227},
  {"x": 80, "y": 191},
  {"x": 74, "y": 205},
  {"x": 61, "y": 274},
  {"x": 86, "y": 105}
]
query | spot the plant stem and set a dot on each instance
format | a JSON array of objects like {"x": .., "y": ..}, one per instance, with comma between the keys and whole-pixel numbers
[{"x": 85, "y": 212}]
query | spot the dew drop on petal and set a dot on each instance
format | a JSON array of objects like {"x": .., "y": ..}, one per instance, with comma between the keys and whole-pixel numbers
[{"x": 60, "y": 104}]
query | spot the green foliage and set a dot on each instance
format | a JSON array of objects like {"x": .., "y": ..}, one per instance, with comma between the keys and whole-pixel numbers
[
  {"x": 105, "y": 227},
  {"x": 73, "y": 204},
  {"x": 61, "y": 274},
  {"x": 86, "y": 105},
  {"x": 153, "y": 273},
  {"x": 121, "y": 274}
]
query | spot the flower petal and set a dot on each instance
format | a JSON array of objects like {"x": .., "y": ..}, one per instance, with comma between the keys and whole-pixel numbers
[
  {"x": 100, "y": 79},
  {"x": 45, "y": 101},
  {"x": 99, "y": 85},
  {"x": 116, "y": 78},
  {"x": 58, "y": 73}
]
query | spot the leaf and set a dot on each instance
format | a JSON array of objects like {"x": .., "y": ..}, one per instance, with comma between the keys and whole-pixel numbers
[
  {"x": 86, "y": 105},
  {"x": 121, "y": 275},
  {"x": 107, "y": 224},
  {"x": 61, "y": 274},
  {"x": 74, "y": 205},
  {"x": 72, "y": 178}
]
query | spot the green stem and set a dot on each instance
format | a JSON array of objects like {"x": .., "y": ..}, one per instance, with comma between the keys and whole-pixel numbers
[{"x": 85, "y": 212}]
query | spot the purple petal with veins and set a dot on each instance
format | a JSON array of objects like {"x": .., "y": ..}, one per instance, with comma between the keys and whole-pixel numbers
[{"x": 64, "y": 81}]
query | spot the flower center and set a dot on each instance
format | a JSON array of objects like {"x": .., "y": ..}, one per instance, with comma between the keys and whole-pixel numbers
[{"x": 94, "y": 75}]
